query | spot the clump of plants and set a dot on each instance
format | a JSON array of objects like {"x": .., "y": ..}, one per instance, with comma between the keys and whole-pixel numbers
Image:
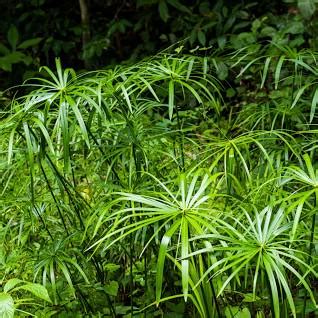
[{"x": 184, "y": 185}]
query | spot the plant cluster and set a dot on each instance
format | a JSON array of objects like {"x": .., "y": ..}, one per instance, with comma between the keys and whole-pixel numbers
[{"x": 184, "y": 185}]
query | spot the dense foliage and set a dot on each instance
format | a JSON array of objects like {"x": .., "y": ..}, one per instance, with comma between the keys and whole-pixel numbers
[
  {"x": 157, "y": 183},
  {"x": 184, "y": 184},
  {"x": 92, "y": 34}
]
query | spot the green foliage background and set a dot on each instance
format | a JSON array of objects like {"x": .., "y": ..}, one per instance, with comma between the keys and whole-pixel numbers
[{"x": 33, "y": 33}]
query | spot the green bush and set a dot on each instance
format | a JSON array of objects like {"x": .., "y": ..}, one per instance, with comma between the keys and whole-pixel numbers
[{"x": 169, "y": 187}]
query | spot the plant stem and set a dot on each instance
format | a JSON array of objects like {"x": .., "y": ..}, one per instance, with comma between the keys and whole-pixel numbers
[
  {"x": 146, "y": 278},
  {"x": 311, "y": 247},
  {"x": 131, "y": 276}
]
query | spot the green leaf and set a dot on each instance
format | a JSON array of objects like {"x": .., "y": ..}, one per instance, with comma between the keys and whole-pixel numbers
[
  {"x": 313, "y": 105},
  {"x": 245, "y": 313},
  {"x": 273, "y": 284},
  {"x": 150, "y": 89},
  {"x": 13, "y": 37},
  {"x": 179, "y": 49},
  {"x": 67, "y": 275},
  {"x": 112, "y": 288},
  {"x": 265, "y": 70},
  {"x": 80, "y": 120},
  {"x": 3, "y": 49},
  {"x": 126, "y": 96},
  {"x": 221, "y": 41},
  {"x": 162, "y": 257},
  {"x": 296, "y": 27},
  {"x": 65, "y": 133},
  {"x": 11, "y": 283},
  {"x": 12, "y": 58},
  {"x": 307, "y": 8},
  {"x": 298, "y": 95},
  {"x": 171, "y": 98},
  {"x": 249, "y": 298},
  {"x": 110, "y": 267},
  {"x": 222, "y": 71},
  {"x": 163, "y": 10},
  {"x": 179, "y": 6},
  {"x": 28, "y": 43},
  {"x": 297, "y": 217},
  {"x": 37, "y": 290},
  {"x": 192, "y": 90},
  {"x": 190, "y": 67},
  {"x": 236, "y": 312},
  {"x": 192, "y": 38},
  {"x": 285, "y": 286},
  {"x": 6, "y": 306},
  {"x": 201, "y": 37},
  {"x": 278, "y": 70},
  {"x": 5, "y": 65},
  {"x": 184, "y": 254}
]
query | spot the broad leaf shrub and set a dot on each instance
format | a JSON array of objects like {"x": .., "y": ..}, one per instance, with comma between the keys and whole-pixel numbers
[{"x": 164, "y": 188}]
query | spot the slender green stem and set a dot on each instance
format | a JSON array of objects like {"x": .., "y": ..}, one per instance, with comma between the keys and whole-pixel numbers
[
  {"x": 131, "y": 255},
  {"x": 215, "y": 300},
  {"x": 146, "y": 279},
  {"x": 311, "y": 248}
]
